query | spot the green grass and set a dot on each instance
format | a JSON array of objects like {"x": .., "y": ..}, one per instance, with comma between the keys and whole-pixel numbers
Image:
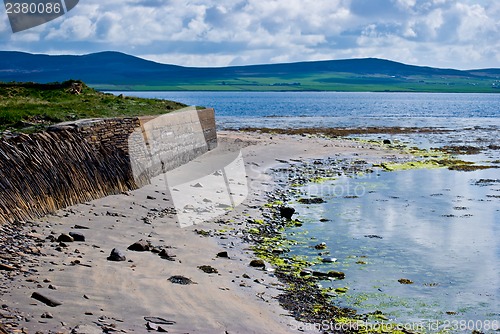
[
  {"x": 333, "y": 81},
  {"x": 31, "y": 107}
]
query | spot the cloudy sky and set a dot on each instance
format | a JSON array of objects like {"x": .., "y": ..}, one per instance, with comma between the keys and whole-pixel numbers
[{"x": 461, "y": 34}]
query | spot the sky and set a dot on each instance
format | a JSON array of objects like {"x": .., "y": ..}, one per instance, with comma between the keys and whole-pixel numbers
[{"x": 461, "y": 34}]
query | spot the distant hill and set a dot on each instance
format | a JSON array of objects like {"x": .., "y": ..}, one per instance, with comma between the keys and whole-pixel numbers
[{"x": 118, "y": 71}]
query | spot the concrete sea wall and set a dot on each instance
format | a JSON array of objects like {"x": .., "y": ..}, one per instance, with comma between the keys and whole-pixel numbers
[{"x": 79, "y": 161}]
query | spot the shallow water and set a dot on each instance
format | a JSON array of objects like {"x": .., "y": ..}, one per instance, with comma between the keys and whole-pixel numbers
[{"x": 438, "y": 228}]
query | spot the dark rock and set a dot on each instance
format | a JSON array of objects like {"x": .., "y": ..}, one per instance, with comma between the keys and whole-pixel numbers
[
  {"x": 140, "y": 246},
  {"x": 44, "y": 299},
  {"x": 164, "y": 254},
  {"x": 336, "y": 274},
  {"x": 320, "y": 246},
  {"x": 324, "y": 220},
  {"x": 208, "y": 269},
  {"x": 151, "y": 326},
  {"x": 223, "y": 254},
  {"x": 177, "y": 279},
  {"x": 116, "y": 255},
  {"x": 405, "y": 281},
  {"x": 151, "y": 197},
  {"x": 387, "y": 142},
  {"x": 305, "y": 272},
  {"x": 287, "y": 212},
  {"x": 329, "y": 260},
  {"x": 373, "y": 236},
  {"x": 80, "y": 227},
  {"x": 47, "y": 315},
  {"x": 156, "y": 250},
  {"x": 6, "y": 267},
  {"x": 257, "y": 263},
  {"x": 77, "y": 236},
  {"x": 65, "y": 238},
  {"x": 159, "y": 321},
  {"x": 320, "y": 275},
  {"x": 313, "y": 200}
]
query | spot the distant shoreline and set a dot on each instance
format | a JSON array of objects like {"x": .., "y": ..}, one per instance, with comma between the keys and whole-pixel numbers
[{"x": 152, "y": 89}]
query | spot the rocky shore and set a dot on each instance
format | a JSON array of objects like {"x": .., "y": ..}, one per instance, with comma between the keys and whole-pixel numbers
[{"x": 126, "y": 264}]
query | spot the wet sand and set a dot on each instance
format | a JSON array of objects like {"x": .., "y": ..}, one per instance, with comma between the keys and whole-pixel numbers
[{"x": 98, "y": 295}]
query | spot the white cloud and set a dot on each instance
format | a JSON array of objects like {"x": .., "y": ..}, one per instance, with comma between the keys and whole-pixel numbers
[{"x": 217, "y": 33}]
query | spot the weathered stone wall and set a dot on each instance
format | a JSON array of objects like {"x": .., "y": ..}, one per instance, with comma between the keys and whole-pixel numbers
[{"x": 88, "y": 159}]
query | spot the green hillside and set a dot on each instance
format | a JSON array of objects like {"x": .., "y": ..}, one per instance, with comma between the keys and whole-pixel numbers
[
  {"x": 118, "y": 71},
  {"x": 30, "y": 107}
]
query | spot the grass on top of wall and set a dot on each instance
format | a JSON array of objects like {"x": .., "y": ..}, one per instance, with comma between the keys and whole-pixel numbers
[{"x": 30, "y": 107}]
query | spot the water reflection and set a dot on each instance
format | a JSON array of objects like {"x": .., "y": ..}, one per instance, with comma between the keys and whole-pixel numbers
[{"x": 438, "y": 228}]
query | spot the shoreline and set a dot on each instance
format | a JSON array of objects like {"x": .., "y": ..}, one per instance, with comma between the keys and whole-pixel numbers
[{"x": 99, "y": 295}]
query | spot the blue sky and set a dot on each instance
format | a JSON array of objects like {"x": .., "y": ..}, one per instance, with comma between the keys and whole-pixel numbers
[{"x": 461, "y": 34}]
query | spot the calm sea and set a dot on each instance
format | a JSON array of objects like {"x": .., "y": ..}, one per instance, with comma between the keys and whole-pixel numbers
[
  {"x": 332, "y": 109},
  {"x": 438, "y": 228}
]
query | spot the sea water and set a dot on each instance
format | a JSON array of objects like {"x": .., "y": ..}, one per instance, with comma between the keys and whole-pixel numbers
[{"x": 436, "y": 227}]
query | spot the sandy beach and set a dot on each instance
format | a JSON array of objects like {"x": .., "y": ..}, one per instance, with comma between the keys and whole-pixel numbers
[{"x": 98, "y": 295}]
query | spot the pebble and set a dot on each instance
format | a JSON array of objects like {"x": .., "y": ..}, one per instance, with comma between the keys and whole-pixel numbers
[
  {"x": 320, "y": 246},
  {"x": 164, "y": 254},
  {"x": 287, "y": 212},
  {"x": 159, "y": 321},
  {"x": 140, "y": 246},
  {"x": 44, "y": 299},
  {"x": 329, "y": 260},
  {"x": 116, "y": 255},
  {"x": 223, "y": 254},
  {"x": 65, "y": 238},
  {"x": 208, "y": 269},
  {"x": 47, "y": 315},
  {"x": 77, "y": 236},
  {"x": 257, "y": 263},
  {"x": 336, "y": 274},
  {"x": 177, "y": 279}
]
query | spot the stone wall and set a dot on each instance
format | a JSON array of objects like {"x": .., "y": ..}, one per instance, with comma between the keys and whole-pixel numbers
[{"x": 79, "y": 161}]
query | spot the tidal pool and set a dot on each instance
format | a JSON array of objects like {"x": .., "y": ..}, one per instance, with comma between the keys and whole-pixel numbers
[{"x": 435, "y": 227}]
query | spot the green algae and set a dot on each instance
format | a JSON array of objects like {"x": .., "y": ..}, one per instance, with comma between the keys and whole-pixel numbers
[
  {"x": 452, "y": 164},
  {"x": 273, "y": 204},
  {"x": 320, "y": 179}
]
